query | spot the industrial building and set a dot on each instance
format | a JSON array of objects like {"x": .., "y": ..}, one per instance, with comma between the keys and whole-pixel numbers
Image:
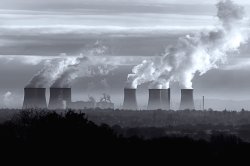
[{"x": 81, "y": 105}]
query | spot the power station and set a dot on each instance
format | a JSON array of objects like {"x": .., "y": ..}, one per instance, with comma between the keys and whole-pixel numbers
[{"x": 60, "y": 98}]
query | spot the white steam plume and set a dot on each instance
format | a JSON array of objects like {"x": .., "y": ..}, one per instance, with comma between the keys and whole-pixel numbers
[
  {"x": 61, "y": 71},
  {"x": 194, "y": 53},
  {"x": 88, "y": 64},
  {"x": 52, "y": 69}
]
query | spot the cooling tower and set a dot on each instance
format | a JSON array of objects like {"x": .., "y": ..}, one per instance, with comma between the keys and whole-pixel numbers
[
  {"x": 165, "y": 99},
  {"x": 187, "y": 100},
  {"x": 59, "y": 97},
  {"x": 130, "y": 102},
  {"x": 154, "y": 100},
  {"x": 34, "y": 98}
]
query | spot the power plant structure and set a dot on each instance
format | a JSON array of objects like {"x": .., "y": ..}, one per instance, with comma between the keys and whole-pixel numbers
[
  {"x": 165, "y": 99},
  {"x": 154, "y": 99},
  {"x": 187, "y": 99},
  {"x": 159, "y": 99},
  {"x": 105, "y": 102},
  {"x": 77, "y": 105},
  {"x": 59, "y": 97},
  {"x": 130, "y": 102},
  {"x": 34, "y": 98}
]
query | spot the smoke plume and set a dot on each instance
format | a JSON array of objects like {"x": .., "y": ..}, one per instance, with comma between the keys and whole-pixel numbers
[
  {"x": 84, "y": 67},
  {"x": 52, "y": 69},
  {"x": 194, "y": 53},
  {"x": 62, "y": 70}
]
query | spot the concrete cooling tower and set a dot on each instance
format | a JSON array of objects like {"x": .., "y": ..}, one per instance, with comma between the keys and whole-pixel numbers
[
  {"x": 154, "y": 100},
  {"x": 34, "y": 98},
  {"x": 187, "y": 99},
  {"x": 59, "y": 97},
  {"x": 165, "y": 99},
  {"x": 130, "y": 102},
  {"x": 159, "y": 99}
]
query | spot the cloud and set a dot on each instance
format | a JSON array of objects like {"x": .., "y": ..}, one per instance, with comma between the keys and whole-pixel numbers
[{"x": 25, "y": 59}]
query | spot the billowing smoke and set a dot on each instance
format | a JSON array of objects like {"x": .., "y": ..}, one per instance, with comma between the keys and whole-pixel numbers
[
  {"x": 51, "y": 71},
  {"x": 194, "y": 53},
  {"x": 86, "y": 66},
  {"x": 62, "y": 70}
]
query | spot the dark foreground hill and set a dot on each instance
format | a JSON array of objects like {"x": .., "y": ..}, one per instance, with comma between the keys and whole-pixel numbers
[{"x": 48, "y": 134}]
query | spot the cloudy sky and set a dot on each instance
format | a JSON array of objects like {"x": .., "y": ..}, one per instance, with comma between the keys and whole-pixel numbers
[{"x": 34, "y": 30}]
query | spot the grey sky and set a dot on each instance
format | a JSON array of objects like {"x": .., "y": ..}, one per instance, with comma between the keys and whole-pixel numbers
[{"x": 44, "y": 28}]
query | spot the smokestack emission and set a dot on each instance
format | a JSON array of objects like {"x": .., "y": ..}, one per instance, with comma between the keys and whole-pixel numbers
[
  {"x": 165, "y": 99},
  {"x": 187, "y": 99},
  {"x": 34, "y": 98},
  {"x": 58, "y": 98},
  {"x": 61, "y": 71},
  {"x": 154, "y": 100},
  {"x": 130, "y": 102},
  {"x": 195, "y": 53}
]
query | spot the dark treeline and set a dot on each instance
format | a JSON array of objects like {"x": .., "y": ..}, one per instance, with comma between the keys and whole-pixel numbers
[
  {"x": 191, "y": 123},
  {"x": 31, "y": 133},
  {"x": 160, "y": 118},
  {"x": 155, "y": 124},
  {"x": 156, "y": 118}
]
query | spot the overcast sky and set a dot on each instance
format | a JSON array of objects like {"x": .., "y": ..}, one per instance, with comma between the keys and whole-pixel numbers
[{"x": 31, "y": 30}]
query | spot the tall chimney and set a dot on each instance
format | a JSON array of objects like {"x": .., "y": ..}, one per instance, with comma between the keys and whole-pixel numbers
[
  {"x": 34, "y": 98},
  {"x": 187, "y": 99},
  {"x": 59, "y": 97},
  {"x": 154, "y": 100},
  {"x": 130, "y": 102},
  {"x": 165, "y": 99},
  {"x": 203, "y": 103}
]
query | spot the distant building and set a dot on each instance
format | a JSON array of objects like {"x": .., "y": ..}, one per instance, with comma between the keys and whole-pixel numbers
[
  {"x": 105, "y": 105},
  {"x": 83, "y": 104}
]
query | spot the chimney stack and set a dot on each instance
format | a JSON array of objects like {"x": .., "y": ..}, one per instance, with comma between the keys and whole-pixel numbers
[
  {"x": 130, "y": 102},
  {"x": 34, "y": 98},
  {"x": 59, "y": 98},
  {"x": 154, "y": 100},
  {"x": 165, "y": 99},
  {"x": 187, "y": 100}
]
